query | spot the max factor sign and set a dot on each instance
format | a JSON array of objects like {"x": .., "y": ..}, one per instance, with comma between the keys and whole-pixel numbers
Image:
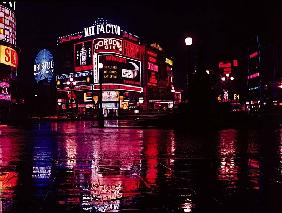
[{"x": 102, "y": 29}]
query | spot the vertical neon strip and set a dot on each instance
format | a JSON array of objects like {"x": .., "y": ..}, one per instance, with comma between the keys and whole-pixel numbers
[{"x": 95, "y": 69}]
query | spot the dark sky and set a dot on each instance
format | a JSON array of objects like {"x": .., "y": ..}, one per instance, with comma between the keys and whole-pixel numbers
[{"x": 220, "y": 27}]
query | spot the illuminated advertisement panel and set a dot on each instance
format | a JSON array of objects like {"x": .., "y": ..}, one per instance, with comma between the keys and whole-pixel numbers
[
  {"x": 152, "y": 68},
  {"x": 83, "y": 56},
  {"x": 4, "y": 91},
  {"x": 107, "y": 45},
  {"x": 44, "y": 66},
  {"x": 7, "y": 25},
  {"x": 132, "y": 50},
  {"x": 118, "y": 69},
  {"x": 110, "y": 96},
  {"x": 8, "y": 56}
]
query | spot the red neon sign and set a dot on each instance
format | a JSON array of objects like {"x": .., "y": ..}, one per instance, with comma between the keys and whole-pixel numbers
[
  {"x": 224, "y": 65},
  {"x": 118, "y": 87},
  {"x": 69, "y": 38},
  {"x": 253, "y": 55},
  {"x": 132, "y": 50},
  {"x": 255, "y": 75},
  {"x": 153, "y": 67},
  {"x": 227, "y": 70},
  {"x": 235, "y": 63},
  {"x": 151, "y": 59},
  {"x": 114, "y": 58},
  {"x": 152, "y": 54}
]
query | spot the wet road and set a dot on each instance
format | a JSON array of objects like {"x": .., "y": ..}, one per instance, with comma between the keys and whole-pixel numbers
[{"x": 71, "y": 167}]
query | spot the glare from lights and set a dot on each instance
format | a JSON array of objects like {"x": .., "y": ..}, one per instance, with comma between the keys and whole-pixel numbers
[
  {"x": 223, "y": 78},
  {"x": 232, "y": 78},
  {"x": 188, "y": 41},
  {"x": 227, "y": 74},
  {"x": 208, "y": 72},
  {"x": 100, "y": 65}
]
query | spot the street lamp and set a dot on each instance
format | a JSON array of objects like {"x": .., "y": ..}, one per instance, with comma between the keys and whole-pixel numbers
[{"x": 188, "y": 43}]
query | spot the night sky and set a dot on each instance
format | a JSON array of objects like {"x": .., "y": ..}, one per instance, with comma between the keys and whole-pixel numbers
[{"x": 220, "y": 28}]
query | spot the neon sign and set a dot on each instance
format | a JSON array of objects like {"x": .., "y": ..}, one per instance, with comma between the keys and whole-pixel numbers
[
  {"x": 255, "y": 75},
  {"x": 8, "y": 56},
  {"x": 44, "y": 66},
  {"x": 153, "y": 67},
  {"x": 124, "y": 71},
  {"x": 102, "y": 29},
  {"x": 83, "y": 56},
  {"x": 253, "y": 55},
  {"x": 69, "y": 38},
  {"x": 224, "y": 65},
  {"x": 115, "y": 58},
  {"x": 132, "y": 50},
  {"x": 107, "y": 45}
]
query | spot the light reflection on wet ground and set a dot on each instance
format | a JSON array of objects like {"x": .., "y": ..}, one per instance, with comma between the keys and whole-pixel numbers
[{"x": 71, "y": 167}]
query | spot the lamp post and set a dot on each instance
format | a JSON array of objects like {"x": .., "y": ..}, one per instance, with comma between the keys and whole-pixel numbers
[{"x": 188, "y": 43}]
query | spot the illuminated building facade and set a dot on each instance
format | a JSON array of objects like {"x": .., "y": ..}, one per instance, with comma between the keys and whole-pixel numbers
[
  {"x": 105, "y": 56},
  {"x": 8, "y": 57}
]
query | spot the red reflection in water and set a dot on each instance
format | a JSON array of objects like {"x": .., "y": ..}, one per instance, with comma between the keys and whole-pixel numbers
[
  {"x": 8, "y": 176},
  {"x": 253, "y": 165},
  {"x": 151, "y": 154},
  {"x": 106, "y": 169},
  {"x": 228, "y": 170}
]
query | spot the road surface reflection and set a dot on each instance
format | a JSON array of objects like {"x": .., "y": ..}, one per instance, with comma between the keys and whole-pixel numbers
[{"x": 73, "y": 167}]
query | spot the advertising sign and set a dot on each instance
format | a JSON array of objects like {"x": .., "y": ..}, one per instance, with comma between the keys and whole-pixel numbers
[
  {"x": 8, "y": 56},
  {"x": 110, "y": 96},
  {"x": 44, "y": 66},
  {"x": 132, "y": 50},
  {"x": 83, "y": 56},
  {"x": 107, "y": 45},
  {"x": 4, "y": 91},
  {"x": 7, "y": 24},
  {"x": 118, "y": 69}
]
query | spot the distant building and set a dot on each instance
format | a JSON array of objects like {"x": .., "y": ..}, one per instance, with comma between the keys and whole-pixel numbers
[{"x": 134, "y": 77}]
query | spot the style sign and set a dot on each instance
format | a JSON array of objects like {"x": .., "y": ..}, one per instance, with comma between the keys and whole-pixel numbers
[{"x": 8, "y": 56}]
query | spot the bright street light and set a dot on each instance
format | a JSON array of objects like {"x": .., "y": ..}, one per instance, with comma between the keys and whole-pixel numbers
[{"x": 188, "y": 41}]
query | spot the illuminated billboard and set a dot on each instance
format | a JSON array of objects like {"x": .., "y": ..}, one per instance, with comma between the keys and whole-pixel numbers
[
  {"x": 7, "y": 24},
  {"x": 5, "y": 91},
  {"x": 107, "y": 45},
  {"x": 44, "y": 66},
  {"x": 83, "y": 56},
  {"x": 122, "y": 70},
  {"x": 8, "y": 56}
]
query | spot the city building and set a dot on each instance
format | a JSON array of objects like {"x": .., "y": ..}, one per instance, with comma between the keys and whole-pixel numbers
[
  {"x": 8, "y": 57},
  {"x": 103, "y": 60}
]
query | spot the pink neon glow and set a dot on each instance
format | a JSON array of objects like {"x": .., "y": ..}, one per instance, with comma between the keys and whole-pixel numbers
[
  {"x": 114, "y": 58},
  {"x": 235, "y": 63},
  {"x": 152, "y": 54},
  {"x": 224, "y": 65},
  {"x": 253, "y": 55},
  {"x": 118, "y": 87},
  {"x": 255, "y": 75},
  {"x": 153, "y": 67}
]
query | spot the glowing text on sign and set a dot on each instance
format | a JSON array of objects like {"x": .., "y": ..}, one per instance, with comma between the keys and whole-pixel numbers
[
  {"x": 107, "y": 45},
  {"x": 8, "y": 56},
  {"x": 102, "y": 29}
]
